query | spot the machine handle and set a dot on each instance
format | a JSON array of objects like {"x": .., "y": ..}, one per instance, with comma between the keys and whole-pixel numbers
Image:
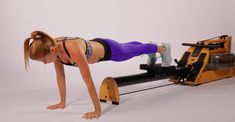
[{"x": 211, "y": 46}]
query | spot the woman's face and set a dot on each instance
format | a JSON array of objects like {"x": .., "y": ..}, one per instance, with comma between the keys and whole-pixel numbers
[{"x": 49, "y": 58}]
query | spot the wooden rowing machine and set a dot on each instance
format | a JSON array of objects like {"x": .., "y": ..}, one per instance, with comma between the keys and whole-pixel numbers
[{"x": 203, "y": 62}]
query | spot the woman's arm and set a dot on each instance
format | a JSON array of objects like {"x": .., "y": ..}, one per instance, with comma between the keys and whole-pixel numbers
[
  {"x": 78, "y": 55},
  {"x": 60, "y": 77}
]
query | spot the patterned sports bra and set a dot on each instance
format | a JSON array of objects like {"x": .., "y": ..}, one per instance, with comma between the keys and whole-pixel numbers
[{"x": 87, "y": 53}]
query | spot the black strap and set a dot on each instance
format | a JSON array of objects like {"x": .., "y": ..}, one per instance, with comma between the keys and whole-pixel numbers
[
  {"x": 65, "y": 38},
  {"x": 63, "y": 41}
]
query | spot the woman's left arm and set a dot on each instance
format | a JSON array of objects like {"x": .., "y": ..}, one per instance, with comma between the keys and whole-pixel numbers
[{"x": 78, "y": 55}]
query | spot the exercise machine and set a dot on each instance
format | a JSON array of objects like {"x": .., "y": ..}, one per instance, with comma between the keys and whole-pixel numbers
[{"x": 206, "y": 61}]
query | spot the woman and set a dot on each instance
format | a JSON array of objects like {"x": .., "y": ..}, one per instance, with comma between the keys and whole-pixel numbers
[{"x": 79, "y": 53}]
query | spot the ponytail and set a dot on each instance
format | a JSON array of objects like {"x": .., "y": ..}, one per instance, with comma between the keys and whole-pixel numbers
[
  {"x": 26, "y": 53},
  {"x": 40, "y": 34}
]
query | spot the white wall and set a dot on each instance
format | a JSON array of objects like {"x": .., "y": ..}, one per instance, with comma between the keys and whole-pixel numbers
[
  {"x": 24, "y": 96},
  {"x": 231, "y": 13},
  {"x": 173, "y": 21}
]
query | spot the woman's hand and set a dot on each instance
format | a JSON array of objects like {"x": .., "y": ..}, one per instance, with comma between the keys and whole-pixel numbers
[
  {"x": 92, "y": 115},
  {"x": 59, "y": 105}
]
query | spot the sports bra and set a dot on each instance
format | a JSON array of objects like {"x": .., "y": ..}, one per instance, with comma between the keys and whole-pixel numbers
[{"x": 88, "y": 51}]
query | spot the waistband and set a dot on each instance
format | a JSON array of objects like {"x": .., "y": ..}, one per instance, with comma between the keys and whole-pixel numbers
[{"x": 107, "y": 49}]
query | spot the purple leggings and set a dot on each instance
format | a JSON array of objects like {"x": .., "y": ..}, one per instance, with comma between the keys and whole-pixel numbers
[{"x": 125, "y": 51}]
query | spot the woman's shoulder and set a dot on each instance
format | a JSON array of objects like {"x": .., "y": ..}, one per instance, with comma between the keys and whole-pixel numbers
[
  {"x": 68, "y": 38},
  {"x": 59, "y": 38},
  {"x": 71, "y": 41}
]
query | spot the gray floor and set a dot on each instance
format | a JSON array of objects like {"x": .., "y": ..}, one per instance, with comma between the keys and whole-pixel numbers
[{"x": 212, "y": 102}]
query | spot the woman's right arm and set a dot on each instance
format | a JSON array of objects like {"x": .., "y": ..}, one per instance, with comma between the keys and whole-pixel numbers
[{"x": 60, "y": 77}]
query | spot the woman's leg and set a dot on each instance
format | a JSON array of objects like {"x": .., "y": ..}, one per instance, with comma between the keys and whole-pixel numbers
[{"x": 125, "y": 51}]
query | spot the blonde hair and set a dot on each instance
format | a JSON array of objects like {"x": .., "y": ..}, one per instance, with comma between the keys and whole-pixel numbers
[{"x": 38, "y": 48}]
